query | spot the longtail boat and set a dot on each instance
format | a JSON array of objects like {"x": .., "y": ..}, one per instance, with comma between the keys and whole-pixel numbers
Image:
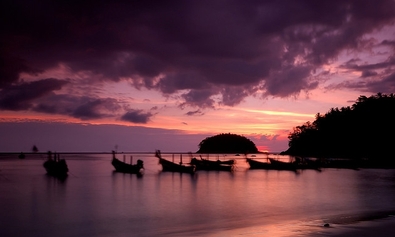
[
  {"x": 56, "y": 166},
  {"x": 254, "y": 164},
  {"x": 218, "y": 165},
  {"x": 124, "y": 167},
  {"x": 281, "y": 165},
  {"x": 271, "y": 165},
  {"x": 174, "y": 167}
]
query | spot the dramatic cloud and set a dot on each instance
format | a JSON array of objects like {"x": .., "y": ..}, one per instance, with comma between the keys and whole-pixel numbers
[
  {"x": 289, "y": 81},
  {"x": 136, "y": 116},
  {"x": 10, "y": 67},
  {"x": 39, "y": 96},
  {"x": 84, "y": 108},
  {"x": 368, "y": 73},
  {"x": 94, "y": 109},
  {"x": 198, "y": 98},
  {"x": 23, "y": 96},
  {"x": 353, "y": 64},
  {"x": 376, "y": 77},
  {"x": 386, "y": 86},
  {"x": 207, "y": 51}
]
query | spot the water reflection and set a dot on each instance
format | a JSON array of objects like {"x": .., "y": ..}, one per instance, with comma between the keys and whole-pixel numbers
[{"x": 94, "y": 200}]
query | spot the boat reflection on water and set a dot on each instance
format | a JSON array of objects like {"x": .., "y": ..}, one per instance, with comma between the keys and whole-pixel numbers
[{"x": 96, "y": 201}]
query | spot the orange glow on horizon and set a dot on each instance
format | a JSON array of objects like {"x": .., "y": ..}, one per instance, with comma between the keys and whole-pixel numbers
[
  {"x": 264, "y": 149},
  {"x": 188, "y": 125}
]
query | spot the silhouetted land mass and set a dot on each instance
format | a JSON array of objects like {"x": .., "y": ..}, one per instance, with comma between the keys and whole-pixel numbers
[
  {"x": 364, "y": 130},
  {"x": 227, "y": 143}
]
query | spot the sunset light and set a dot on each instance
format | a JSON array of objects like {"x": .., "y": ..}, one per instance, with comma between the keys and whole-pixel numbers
[
  {"x": 200, "y": 118},
  {"x": 238, "y": 75}
]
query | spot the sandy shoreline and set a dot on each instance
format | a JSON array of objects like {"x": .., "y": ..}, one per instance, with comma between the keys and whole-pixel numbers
[
  {"x": 378, "y": 228},
  {"x": 375, "y": 227}
]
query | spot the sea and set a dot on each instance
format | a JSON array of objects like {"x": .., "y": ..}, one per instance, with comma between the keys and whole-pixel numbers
[{"x": 94, "y": 200}]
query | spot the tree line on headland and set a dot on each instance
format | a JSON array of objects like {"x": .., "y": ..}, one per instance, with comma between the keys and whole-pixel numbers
[{"x": 364, "y": 130}]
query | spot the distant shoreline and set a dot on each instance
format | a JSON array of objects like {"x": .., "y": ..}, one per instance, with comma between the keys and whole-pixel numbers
[{"x": 130, "y": 152}]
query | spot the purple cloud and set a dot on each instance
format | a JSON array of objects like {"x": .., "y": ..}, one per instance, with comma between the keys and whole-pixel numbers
[
  {"x": 376, "y": 77},
  {"x": 39, "y": 96},
  {"x": 353, "y": 65},
  {"x": 169, "y": 46},
  {"x": 136, "y": 116},
  {"x": 198, "y": 98},
  {"x": 97, "y": 108},
  {"x": 387, "y": 85},
  {"x": 84, "y": 108},
  {"x": 367, "y": 73},
  {"x": 195, "y": 113},
  {"x": 23, "y": 96},
  {"x": 290, "y": 81}
]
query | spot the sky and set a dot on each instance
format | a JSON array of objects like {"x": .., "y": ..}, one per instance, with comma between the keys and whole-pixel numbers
[{"x": 145, "y": 75}]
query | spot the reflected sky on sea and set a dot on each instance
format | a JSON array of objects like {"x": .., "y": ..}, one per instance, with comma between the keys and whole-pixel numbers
[{"x": 96, "y": 201}]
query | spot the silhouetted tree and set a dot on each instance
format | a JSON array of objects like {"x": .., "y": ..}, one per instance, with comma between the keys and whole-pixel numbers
[
  {"x": 34, "y": 149},
  {"x": 227, "y": 143},
  {"x": 364, "y": 130}
]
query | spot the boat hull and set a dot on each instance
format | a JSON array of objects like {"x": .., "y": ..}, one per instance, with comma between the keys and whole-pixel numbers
[
  {"x": 169, "y": 166},
  {"x": 127, "y": 168},
  {"x": 208, "y": 165},
  {"x": 56, "y": 168},
  {"x": 273, "y": 165}
]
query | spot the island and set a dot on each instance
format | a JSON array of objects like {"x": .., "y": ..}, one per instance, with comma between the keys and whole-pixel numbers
[{"x": 227, "y": 143}]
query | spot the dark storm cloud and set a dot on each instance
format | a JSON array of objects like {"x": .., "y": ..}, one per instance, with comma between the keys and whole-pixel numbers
[
  {"x": 356, "y": 66},
  {"x": 368, "y": 73},
  {"x": 23, "y": 96},
  {"x": 234, "y": 95},
  {"x": 205, "y": 47},
  {"x": 83, "y": 108},
  {"x": 94, "y": 109},
  {"x": 388, "y": 42},
  {"x": 39, "y": 96},
  {"x": 377, "y": 77},
  {"x": 10, "y": 67},
  {"x": 86, "y": 108},
  {"x": 171, "y": 83},
  {"x": 198, "y": 98},
  {"x": 136, "y": 116},
  {"x": 289, "y": 80},
  {"x": 387, "y": 85}
]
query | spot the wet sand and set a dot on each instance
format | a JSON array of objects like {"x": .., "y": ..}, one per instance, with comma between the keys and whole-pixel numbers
[
  {"x": 377, "y": 228},
  {"x": 383, "y": 227},
  {"x": 344, "y": 227}
]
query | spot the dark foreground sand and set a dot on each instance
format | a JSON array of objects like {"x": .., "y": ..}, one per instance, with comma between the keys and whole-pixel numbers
[{"x": 377, "y": 228}]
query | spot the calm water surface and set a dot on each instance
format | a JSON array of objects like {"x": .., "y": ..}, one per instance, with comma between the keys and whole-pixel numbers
[{"x": 95, "y": 201}]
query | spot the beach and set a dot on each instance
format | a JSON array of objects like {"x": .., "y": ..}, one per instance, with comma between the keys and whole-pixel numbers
[
  {"x": 382, "y": 227},
  {"x": 377, "y": 228}
]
